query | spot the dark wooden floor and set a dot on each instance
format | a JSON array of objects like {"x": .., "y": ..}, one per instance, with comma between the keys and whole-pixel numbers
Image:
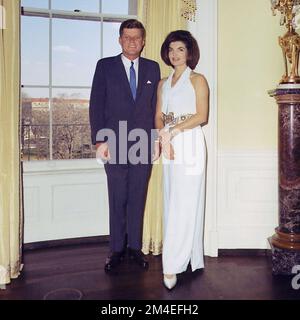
[{"x": 81, "y": 268}]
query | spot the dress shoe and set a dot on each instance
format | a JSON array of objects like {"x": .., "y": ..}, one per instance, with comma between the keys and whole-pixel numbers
[
  {"x": 170, "y": 283},
  {"x": 138, "y": 257},
  {"x": 113, "y": 261}
]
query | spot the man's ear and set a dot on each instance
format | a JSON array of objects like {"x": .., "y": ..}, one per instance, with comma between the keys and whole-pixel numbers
[{"x": 143, "y": 46}]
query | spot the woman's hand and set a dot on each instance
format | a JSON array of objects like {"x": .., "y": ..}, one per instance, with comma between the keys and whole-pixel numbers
[
  {"x": 165, "y": 136},
  {"x": 157, "y": 150},
  {"x": 168, "y": 151}
]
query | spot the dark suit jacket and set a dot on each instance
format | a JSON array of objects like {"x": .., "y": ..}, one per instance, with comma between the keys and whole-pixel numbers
[{"x": 111, "y": 98}]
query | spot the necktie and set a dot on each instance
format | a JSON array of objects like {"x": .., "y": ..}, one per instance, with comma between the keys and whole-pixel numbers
[{"x": 132, "y": 80}]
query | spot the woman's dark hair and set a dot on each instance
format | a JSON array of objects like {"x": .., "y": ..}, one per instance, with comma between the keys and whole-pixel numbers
[
  {"x": 132, "y": 24},
  {"x": 190, "y": 42}
]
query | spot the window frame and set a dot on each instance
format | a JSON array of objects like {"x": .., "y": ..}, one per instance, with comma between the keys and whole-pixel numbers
[{"x": 71, "y": 15}]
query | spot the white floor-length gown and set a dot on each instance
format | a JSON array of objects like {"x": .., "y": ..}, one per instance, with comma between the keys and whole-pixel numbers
[{"x": 184, "y": 183}]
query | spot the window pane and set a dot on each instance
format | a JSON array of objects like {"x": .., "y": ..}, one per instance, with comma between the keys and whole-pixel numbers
[
  {"x": 115, "y": 7},
  {"x": 76, "y": 50},
  {"x": 111, "y": 46},
  {"x": 35, "y": 55},
  {"x": 83, "y": 5},
  {"x": 71, "y": 128},
  {"x": 35, "y": 3},
  {"x": 35, "y": 124}
]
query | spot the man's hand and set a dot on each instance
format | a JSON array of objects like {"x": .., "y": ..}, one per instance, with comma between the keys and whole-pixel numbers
[{"x": 103, "y": 151}]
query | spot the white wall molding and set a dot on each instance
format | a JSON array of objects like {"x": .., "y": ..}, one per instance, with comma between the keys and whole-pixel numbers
[
  {"x": 64, "y": 199},
  {"x": 205, "y": 30},
  {"x": 247, "y": 198},
  {"x": 57, "y": 166}
]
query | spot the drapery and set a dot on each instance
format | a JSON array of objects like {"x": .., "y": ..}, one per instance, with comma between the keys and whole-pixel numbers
[
  {"x": 159, "y": 17},
  {"x": 11, "y": 209}
]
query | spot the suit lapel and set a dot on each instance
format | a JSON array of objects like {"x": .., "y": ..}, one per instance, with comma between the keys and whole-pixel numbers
[
  {"x": 123, "y": 77},
  {"x": 141, "y": 79}
]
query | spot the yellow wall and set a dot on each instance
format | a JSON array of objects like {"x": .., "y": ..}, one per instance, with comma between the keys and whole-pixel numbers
[{"x": 249, "y": 63}]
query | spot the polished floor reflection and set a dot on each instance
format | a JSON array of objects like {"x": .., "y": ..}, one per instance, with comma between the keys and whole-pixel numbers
[{"x": 74, "y": 272}]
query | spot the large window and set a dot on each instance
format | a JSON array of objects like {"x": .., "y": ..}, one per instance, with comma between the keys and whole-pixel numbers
[{"x": 61, "y": 42}]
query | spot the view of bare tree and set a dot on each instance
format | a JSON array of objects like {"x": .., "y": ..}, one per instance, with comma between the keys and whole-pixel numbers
[{"x": 70, "y": 128}]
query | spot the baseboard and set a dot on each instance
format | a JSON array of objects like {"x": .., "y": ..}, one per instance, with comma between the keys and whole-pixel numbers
[
  {"x": 244, "y": 252},
  {"x": 65, "y": 242},
  {"x": 104, "y": 240}
]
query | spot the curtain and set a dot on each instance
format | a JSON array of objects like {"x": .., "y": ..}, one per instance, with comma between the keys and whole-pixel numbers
[
  {"x": 159, "y": 17},
  {"x": 10, "y": 166}
]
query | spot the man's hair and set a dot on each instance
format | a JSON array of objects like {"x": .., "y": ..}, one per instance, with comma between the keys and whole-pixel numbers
[
  {"x": 132, "y": 24},
  {"x": 190, "y": 42}
]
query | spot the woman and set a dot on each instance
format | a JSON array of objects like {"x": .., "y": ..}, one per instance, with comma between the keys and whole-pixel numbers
[{"x": 182, "y": 108}]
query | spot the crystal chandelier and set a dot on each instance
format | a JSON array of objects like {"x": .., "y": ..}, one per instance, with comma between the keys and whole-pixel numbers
[{"x": 188, "y": 10}]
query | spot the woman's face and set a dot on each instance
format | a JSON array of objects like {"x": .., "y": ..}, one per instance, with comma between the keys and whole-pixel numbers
[{"x": 178, "y": 53}]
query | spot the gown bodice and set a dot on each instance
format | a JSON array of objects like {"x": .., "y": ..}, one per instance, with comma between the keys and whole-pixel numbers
[{"x": 181, "y": 98}]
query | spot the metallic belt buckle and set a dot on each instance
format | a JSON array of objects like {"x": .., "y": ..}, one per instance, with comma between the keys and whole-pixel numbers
[{"x": 169, "y": 117}]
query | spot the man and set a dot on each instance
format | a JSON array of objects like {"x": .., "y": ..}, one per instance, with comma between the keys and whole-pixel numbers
[{"x": 124, "y": 91}]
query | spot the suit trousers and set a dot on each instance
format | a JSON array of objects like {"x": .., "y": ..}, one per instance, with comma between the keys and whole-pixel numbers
[{"x": 127, "y": 190}]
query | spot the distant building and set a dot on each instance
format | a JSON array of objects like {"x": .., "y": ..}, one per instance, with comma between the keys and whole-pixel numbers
[{"x": 43, "y": 103}]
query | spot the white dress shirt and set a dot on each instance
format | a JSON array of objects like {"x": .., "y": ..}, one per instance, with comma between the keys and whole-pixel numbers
[{"x": 127, "y": 65}]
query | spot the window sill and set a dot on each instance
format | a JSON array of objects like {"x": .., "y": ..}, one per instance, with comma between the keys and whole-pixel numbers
[{"x": 59, "y": 166}]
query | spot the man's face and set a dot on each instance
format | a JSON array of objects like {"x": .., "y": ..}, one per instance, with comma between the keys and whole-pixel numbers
[{"x": 132, "y": 43}]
